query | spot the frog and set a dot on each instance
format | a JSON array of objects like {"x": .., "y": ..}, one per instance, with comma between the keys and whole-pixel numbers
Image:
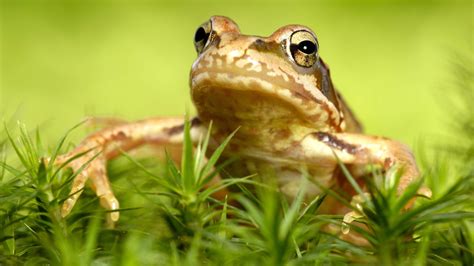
[{"x": 278, "y": 93}]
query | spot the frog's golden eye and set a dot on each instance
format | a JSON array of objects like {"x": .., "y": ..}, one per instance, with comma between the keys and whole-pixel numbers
[
  {"x": 304, "y": 48},
  {"x": 202, "y": 35}
]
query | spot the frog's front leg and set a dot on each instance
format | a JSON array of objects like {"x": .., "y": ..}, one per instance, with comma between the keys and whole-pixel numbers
[
  {"x": 358, "y": 149},
  {"x": 107, "y": 144}
]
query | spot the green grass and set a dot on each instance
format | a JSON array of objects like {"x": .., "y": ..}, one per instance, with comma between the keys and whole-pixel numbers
[{"x": 169, "y": 218}]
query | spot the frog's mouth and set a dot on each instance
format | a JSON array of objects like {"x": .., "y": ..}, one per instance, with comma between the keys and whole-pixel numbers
[{"x": 249, "y": 100}]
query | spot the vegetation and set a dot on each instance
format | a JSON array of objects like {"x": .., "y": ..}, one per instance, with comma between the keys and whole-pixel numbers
[{"x": 169, "y": 218}]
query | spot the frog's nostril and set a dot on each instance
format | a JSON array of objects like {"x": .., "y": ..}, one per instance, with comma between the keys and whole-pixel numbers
[{"x": 259, "y": 45}]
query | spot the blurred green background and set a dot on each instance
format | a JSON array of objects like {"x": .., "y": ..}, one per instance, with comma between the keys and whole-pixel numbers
[{"x": 62, "y": 60}]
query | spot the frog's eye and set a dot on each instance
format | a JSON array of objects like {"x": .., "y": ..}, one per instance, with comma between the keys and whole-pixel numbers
[
  {"x": 201, "y": 37},
  {"x": 304, "y": 48}
]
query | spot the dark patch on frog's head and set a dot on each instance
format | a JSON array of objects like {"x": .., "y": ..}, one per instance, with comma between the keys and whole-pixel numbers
[
  {"x": 266, "y": 47},
  {"x": 325, "y": 85},
  {"x": 260, "y": 45}
]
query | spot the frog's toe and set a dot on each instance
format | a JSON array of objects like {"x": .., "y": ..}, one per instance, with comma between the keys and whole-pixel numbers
[
  {"x": 426, "y": 192},
  {"x": 76, "y": 191},
  {"x": 102, "y": 188},
  {"x": 69, "y": 204},
  {"x": 110, "y": 203},
  {"x": 61, "y": 161},
  {"x": 348, "y": 219}
]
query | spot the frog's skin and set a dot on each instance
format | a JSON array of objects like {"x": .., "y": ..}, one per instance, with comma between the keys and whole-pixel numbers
[{"x": 282, "y": 100}]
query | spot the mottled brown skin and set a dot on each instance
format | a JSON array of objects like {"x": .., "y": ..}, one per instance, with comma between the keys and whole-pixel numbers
[{"x": 289, "y": 116}]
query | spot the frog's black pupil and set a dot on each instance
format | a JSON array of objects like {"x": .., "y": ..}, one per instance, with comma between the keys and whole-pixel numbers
[
  {"x": 200, "y": 35},
  {"x": 307, "y": 47}
]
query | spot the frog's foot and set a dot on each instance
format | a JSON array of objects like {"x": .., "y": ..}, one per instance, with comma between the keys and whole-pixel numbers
[
  {"x": 357, "y": 212},
  {"x": 89, "y": 159},
  {"x": 91, "y": 165}
]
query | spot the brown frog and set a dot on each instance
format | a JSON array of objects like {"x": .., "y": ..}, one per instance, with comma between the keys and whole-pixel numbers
[{"x": 278, "y": 91}]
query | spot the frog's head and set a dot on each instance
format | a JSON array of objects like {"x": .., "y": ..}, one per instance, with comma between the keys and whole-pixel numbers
[{"x": 277, "y": 81}]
